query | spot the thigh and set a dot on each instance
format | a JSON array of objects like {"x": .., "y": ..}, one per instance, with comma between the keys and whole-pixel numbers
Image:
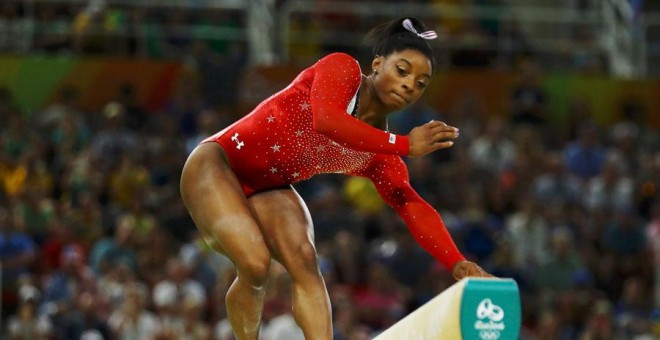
[
  {"x": 218, "y": 206},
  {"x": 286, "y": 225}
]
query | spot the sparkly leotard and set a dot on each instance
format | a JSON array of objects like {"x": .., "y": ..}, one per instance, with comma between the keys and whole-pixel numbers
[{"x": 307, "y": 129}]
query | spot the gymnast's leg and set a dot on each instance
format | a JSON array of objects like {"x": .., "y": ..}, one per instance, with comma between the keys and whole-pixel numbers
[
  {"x": 288, "y": 230},
  {"x": 219, "y": 208}
]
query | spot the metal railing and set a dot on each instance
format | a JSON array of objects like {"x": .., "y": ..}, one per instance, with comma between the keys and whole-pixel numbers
[
  {"x": 621, "y": 42},
  {"x": 555, "y": 39},
  {"x": 619, "y": 38},
  {"x": 650, "y": 50}
]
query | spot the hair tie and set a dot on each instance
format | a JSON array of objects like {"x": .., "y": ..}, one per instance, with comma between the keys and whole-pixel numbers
[{"x": 428, "y": 35}]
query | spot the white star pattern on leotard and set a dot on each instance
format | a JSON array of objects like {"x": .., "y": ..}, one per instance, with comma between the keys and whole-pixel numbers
[{"x": 287, "y": 148}]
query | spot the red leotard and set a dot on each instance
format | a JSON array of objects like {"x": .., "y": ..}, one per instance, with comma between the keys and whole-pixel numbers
[{"x": 306, "y": 129}]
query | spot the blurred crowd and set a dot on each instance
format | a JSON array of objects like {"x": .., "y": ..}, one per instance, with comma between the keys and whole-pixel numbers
[
  {"x": 100, "y": 27},
  {"x": 95, "y": 242},
  {"x": 467, "y": 39}
]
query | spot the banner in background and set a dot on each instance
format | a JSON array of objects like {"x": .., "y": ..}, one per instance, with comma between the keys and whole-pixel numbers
[{"x": 35, "y": 81}]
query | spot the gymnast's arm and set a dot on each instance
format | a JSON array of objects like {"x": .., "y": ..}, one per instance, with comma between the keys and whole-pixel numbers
[
  {"x": 390, "y": 176},
  {"x": 337, "y": 78}
]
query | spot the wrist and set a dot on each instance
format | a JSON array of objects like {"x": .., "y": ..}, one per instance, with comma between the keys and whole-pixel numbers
[{"x": 453, "y": 260}]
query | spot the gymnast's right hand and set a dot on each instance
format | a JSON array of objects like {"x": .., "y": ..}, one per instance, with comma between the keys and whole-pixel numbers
[
  {"x": 468, "y": 269},
  {"x": 430, "y": 137}
]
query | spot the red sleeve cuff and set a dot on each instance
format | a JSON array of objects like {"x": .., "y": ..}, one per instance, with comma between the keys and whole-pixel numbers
[
  {"x": 401, "y": 144},
  {"x": 451, "y": 260}
]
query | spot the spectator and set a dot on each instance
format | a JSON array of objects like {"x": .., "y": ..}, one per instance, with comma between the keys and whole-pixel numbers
[
  {"x": 194, "y": 327},
  {"x": 407, "y": 262},
  {"x": 478, "y": 227},
  {"x": 600, "y": 323},
  {"x": 492, "y": 151},
  {"x": 624, "y": 234},
  {"x": 557, "y": 273},
  {"x": 653, "y": 236},
  {"x": 194, "y": 257},
  {"x": 329, "y": 210},
  {"x": 610, "y": 190},
  {"x": 61, "y": 236},
  {"x": 17, "y": 254},
  {"x": 63, "y": 286},
  {"x": 65, "y": 107},
  {"x": 116, "y": 248},
  {"x": 346, "y": 320},
  {"x": 528, "y": 231},
  {"x": 85, "y": 319},
  {"x": 136, "y": 115},
  {"x": 382, "y": 300},
  {"x": 626, "y": 151},
  {"x": 113, "y": 140},
  {"x": 27, "y": 323},
  {"x": 208, "y": 122},
  {"x": 277, "y": 308},
  {"x": 555, "y": 185},
  {"x": 128, "y": 181},
  {"x": 632, "y": 313},
  {"x": 170, "y": 293},
  {"x": 151, "y": 257},
  {"x": 117, "y": 284},
  {"x": 132, "y": 320},
  {"x": 528, "y": 98},
  {"x": 17, "y": 142},
  {"x": 549, "y": 326},
  {"x": 585, "y": 156}
]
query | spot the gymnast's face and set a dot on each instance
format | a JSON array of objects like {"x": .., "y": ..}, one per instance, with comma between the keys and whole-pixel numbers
[{"x": 401, "y": 78}]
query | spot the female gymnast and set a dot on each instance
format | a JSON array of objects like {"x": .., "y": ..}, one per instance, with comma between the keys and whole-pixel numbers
[{"x": 237, "y": 184}]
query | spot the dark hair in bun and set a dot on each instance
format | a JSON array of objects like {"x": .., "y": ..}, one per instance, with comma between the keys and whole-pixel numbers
[{"x": 393, "y": 37}]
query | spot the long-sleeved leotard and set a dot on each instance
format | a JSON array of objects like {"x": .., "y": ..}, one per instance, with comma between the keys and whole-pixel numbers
[{"x": 306, "y": 129}]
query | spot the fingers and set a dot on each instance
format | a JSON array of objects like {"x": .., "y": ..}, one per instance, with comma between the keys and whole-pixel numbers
[
  {"x": 445, "y": 135},
  {"x": 486, "y": 274},
  {"x": 441, "y": 134},
  {"x": 444, "y": 132},
  {"x": 469, "y": 269},
  {"x": 431, "y": 136},
  {"x": 442, "y": 145},
  {"x": 481, "y": 272},
  {"x": 435, "y": 128},
  {"x": 435, "y": 123}
]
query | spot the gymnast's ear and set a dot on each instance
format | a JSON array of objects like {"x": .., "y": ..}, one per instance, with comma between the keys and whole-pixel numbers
[{"x": 376, "y": 63}]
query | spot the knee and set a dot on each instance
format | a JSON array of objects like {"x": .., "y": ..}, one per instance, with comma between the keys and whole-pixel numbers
[
  {"x": 254, "y": 269},
  {"x": 306, "y": 258}
]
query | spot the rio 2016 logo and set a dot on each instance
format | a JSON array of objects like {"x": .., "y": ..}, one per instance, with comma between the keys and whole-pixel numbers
[{"x": 490, "y": 317}]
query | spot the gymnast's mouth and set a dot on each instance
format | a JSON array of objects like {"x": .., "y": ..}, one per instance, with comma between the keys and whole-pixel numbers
[{"x": 400, "y": 98}]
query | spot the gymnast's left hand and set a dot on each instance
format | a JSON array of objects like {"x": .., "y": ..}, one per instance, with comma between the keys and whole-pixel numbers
[
  {"x": 430, "y": 137},
  {"x": 468, "y": 269}
]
